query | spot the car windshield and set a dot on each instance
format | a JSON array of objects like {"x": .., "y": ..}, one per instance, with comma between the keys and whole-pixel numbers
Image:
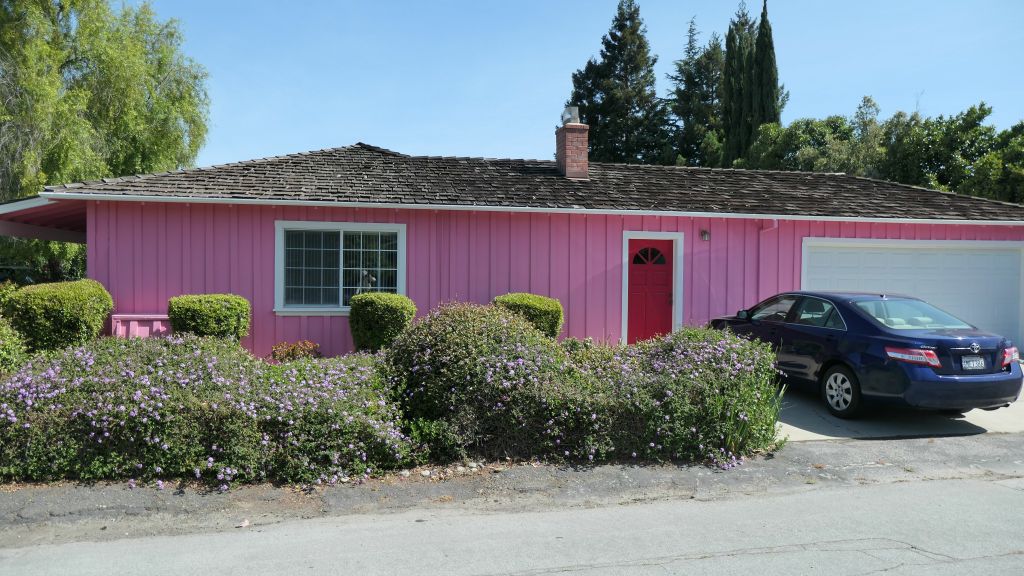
[{"x": 906, "y": 314}]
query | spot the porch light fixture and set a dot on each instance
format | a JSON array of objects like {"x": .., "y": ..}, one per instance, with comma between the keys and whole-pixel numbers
[{"x": 705, "y": 235}]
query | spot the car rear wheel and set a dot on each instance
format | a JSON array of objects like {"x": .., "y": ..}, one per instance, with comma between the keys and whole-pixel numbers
[{"x": 841, "y": 392}]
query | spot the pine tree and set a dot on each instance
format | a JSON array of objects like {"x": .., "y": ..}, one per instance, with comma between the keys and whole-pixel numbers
[
  {"x": 616, "y": 96},
  {"x": 696, "y": 100}
]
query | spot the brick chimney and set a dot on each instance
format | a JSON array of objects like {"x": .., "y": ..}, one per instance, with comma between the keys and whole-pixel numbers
[{"x": 571, "y": 146}]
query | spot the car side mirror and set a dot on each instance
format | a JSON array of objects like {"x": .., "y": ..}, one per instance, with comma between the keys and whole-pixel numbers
[{"x": 743, "y": 315}]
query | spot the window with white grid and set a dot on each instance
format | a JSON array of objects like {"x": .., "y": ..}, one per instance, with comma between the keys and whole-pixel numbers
[{"x": 322, "y": 265}]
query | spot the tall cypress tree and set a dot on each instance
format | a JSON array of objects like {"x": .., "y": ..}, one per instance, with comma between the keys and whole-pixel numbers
[
  {"x": 766, "y": 93},
  {"x": 751, "y": 95},
  {"x": 617, "y": 98},
  {"x": 696, "y": 100},
  {"x": 737, "y": 77}
]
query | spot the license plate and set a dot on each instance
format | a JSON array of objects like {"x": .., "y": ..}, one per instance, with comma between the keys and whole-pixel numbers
[{"x": 972, "y": 362}]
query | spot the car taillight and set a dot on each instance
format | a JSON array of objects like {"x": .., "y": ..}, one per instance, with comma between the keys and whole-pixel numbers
[
  {"x": 914, "y": 356},
  {"x": 1010, "y": 355}
]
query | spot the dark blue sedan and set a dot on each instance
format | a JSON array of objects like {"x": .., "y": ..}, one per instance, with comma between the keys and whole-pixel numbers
[{"x": 857, "y": 348}]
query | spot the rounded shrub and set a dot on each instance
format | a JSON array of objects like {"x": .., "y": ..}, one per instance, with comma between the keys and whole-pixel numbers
[
  {"x": 543, "y": 312},
  {"x": 52, "y": 316},
  {"x": 716, "y": 394},
  {"x": 220, "y": 315},
  {"x": 12, "y": 348},
  {"x": 475, "y": 379},
  {"x": 377, "y": 318}
]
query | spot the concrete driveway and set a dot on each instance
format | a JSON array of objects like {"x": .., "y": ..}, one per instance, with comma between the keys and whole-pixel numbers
[{"x": 804, "y": 417}]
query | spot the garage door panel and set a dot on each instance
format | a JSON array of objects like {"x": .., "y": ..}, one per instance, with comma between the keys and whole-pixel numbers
[{"x": 980, "y": 285}]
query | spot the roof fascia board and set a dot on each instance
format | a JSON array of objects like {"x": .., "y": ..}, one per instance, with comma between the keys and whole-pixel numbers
[
  {"x": 26, "y": 204},
  {"x": 477, "y": 208}
]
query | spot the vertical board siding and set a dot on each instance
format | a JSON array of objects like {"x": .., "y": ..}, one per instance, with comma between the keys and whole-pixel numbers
[{"x": 147, "y": 253}]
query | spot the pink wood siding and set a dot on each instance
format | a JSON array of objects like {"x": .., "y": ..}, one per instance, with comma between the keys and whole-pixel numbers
[{"x": 147, "y": 252}]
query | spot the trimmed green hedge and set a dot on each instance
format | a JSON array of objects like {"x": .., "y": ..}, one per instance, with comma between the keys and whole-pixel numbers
[
  {"x": 220, "y": 315},
  {"x": 377, "y": 318},
  {"x": 12, "y": 348},
  {"x": 543, "y": 312},
  {"x": 60, "y": 314}
]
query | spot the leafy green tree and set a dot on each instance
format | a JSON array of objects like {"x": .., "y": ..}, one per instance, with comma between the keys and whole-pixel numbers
[
  {"x": 999, "y": 174},
  {"x": 806, "y": 145},
  {"x": 616, "y": 96},
  {"x": 696, "y": 100},
  {"x": 88, "y": 92},
  {"x": 936, "y": 152}
]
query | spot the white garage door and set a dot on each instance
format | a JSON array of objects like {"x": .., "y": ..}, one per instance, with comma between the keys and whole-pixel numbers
[{"x": 979, "y": 283}]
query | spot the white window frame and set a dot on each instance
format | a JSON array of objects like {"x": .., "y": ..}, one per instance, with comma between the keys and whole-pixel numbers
[{"x": 282, "y": 226}]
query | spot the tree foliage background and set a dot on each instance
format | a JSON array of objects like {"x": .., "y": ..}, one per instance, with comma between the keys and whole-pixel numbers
[
  {"x": 725, "y": 107},
  {"x": 89, "y": 92},
  {"x": 616, "y": 96}
]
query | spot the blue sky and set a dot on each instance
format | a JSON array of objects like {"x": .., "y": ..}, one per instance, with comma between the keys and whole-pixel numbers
[{"x": 489, "y": 78}]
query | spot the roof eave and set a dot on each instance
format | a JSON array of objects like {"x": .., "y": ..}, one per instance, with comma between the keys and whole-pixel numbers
[{"x": 108, "y": 197}]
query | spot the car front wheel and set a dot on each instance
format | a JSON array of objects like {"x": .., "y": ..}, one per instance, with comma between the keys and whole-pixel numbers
[{"x": 841, "y": 392}]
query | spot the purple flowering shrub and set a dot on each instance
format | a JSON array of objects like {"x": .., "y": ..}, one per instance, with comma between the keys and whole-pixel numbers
[
  {"x": 193, "y": 407},
  {"x": 710, "y": 395},
  {"x": 324, "y": 420},
  {"x": 119, "y": 408},
  {"x": 475, "y": 379},
  {"x": 696, "y": 395}
]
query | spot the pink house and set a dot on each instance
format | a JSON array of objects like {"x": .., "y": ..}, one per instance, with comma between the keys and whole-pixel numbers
[{"x": 629, "y": 250}]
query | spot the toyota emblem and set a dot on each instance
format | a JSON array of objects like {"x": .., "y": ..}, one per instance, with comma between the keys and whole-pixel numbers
[{"x": 975, "y": 347}]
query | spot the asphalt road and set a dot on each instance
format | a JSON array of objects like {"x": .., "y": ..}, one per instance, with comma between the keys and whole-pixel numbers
[
  {"x": 941, "y": 527},
  {"x": 920, "y": 506}
]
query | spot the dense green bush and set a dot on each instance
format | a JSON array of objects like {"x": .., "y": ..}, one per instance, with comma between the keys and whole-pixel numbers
[
  {"x": 12, "y": 348},
  {"x": 481, "y": 380},
  {"x": 695, "y": 394},
  {"x": 377, "y": 318},
  {"x": 52, "y": 316},
  {"x": 473, "y": 379},
  {"x": 292, "y": 351},
  {"x": 220, "y": 315},
  {"x": 543, "y": 312},
  {"x": 6, "y": 289},
  {"x": 193, "y": 407},
  {"x": 131, "y": 408},
  {"x": 338, "y": 420}
]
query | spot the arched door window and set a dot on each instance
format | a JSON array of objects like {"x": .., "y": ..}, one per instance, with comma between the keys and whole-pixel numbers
[{"x": 649, "y": 256}]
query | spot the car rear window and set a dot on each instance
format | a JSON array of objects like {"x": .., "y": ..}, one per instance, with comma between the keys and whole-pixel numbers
[{"x": 906, "y": 314}]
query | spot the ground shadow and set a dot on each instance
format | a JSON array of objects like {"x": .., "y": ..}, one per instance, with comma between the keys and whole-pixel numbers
[{"x": 804, "y": 417}]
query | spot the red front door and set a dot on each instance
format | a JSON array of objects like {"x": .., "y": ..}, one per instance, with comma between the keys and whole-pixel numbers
[{"x": 650, "y": 289}]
